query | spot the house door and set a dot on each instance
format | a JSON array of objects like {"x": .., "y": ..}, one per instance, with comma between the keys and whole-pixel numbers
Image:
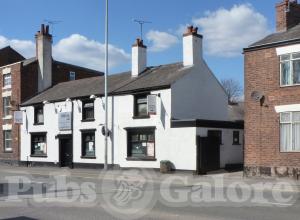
[
  {"x": 66, "y": 151},
  {"x": 208, "y": 154}
]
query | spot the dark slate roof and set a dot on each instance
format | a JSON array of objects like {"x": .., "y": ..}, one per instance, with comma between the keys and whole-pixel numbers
[
  {"x": 293, "y": 34},
  {"x": 152, "y": 78},
  {"x": 9, "y": 55},
  {"x": 236, "y": 111}
]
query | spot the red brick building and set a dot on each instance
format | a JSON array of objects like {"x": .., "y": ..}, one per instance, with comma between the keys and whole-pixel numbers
[
  {"x": 272, "y": 98},
  {"x": 23, "y": 78}
]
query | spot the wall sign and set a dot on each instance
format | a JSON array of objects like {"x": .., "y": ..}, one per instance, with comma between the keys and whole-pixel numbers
[
  {"x": 18, "y": 117},
  {"x": 151, "y": 104},
  {"x": 65, "y": 121}
]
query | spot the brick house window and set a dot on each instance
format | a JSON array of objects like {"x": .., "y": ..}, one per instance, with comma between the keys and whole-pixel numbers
[
  {"x": 39, "y": 115},
  {"x": 72, "y": 76},
  {"x": 140, "y": 106},
  {"x": 7, "y": 141},
  {"x": 88, "y": 144},
  {"x": 88, "y": 110},
  {"x": 38, "y": 144},
  {"x": 7, "y": 80},
  {"x": 290, "y": 132},
  {"x": 290, "y": 69},
  {"x": 6, "y": 106},
  {"x": 141, "y": 143}
]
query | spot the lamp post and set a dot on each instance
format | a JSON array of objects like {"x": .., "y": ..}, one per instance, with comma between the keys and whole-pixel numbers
[{"x": 105, "y": 87}]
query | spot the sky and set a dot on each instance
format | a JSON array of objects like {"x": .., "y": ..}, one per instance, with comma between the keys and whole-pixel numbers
[{"x": 227, "y": 26}]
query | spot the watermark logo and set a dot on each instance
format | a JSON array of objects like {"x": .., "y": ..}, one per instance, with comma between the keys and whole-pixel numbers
[{"x": 129, "y": 194}]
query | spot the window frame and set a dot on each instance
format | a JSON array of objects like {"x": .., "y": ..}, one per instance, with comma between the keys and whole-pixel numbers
[
  {"x": 138, "y": 96},
  {"x": 83, "y": 133},
  {"x": 140, "y": 131},
  {"x": 36, "y": 108},
  {"x": 7, "y": 150},
  {"x": 291, "y": 123},
  {"x": 3, "y": 78},
  {"x": 72, "y": 74},
  {"x": 5, "y": 107},
  {"x": 83, "y": 113},
  {"x": 291, "y": 69},
  {"x": 32, "y": 152},
  {"x": 238, "y": 138}
]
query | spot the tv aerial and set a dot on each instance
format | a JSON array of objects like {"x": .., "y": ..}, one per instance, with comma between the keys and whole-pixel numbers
[
  {"x": 141, "y": 23},
  {"x": 52, "y": 23}
]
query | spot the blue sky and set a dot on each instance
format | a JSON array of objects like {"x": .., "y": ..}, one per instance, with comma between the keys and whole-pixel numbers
[{"x": 227, "y": 26}]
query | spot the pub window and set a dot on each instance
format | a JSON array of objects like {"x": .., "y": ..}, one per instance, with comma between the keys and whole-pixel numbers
[
  {"x": 7, "y": 80},
  {"x": 140, "y": 105},
  {"x": 290, "y": 132},
  {"x": 236, "y": 137},
  {"x": 141, "y": 143},
  {"x": 6, "y": 106},
  {"x": 88, "y": 110},
  {"x": 39, "y": 114},
  {"x": 72, "y": 76},
  {"x": 7, "y": 141},
  {"x": 38, "y": 144},
  {"x": 88, "y": 143}
]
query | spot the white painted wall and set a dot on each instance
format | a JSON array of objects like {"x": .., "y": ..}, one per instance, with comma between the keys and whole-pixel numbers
[
  {"x": 199, "y": 95},
  {"x": 229, "y": 153},
  {"x": 139, "y": 60},
  {"x": 192, "y": 50},
  {"x": 169, "y": 143}
]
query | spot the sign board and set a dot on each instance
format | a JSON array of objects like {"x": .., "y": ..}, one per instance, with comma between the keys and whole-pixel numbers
[
  {"x": 18, "y": 117},
  {"x": 65, "y": 121},
  {"x": 151, "y": 107}
]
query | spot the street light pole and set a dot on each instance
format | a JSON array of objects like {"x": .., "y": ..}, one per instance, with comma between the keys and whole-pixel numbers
[{"x": 105, "y": 87}]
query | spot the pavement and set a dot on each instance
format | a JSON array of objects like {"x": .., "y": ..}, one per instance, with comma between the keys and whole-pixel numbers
[{"x": 55, "y": 193}]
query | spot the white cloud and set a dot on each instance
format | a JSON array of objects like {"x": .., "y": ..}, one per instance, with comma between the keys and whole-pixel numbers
[
  {"x": 24, "y": 47},
  {"x": 161, "y": 40},
  {"x": 82, "y": 51},
  {"x": 227, "y": 32},
  {"x": 75, "y": 49}
]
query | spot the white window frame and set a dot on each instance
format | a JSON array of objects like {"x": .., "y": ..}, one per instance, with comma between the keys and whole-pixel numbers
[
  {"x": 6, "y": 86},
  {"x": 4, "y": 141},
  {"x": 7, "y": 107},
  {"x": 72, "y": 75},
  {"x": 291, "y": 123},
  {"x": 291, "y": 59}
]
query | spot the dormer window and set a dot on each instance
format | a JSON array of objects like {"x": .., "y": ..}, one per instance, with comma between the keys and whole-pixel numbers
[{"x": 290, "y": 69}]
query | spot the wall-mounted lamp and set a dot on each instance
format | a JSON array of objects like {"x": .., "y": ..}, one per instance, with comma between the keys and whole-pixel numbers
[
  {"x": 46, "y": 102},
  {"x": 68, "y": 100},
  {"x": 93, "y": 97}
]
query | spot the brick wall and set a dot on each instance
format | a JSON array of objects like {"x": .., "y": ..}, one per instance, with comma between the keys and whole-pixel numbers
[
  {"x": 287, "y": 15},
  {"x": 262, "y": 141}
]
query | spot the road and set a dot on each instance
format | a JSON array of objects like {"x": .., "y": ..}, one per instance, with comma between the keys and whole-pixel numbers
[{"x": 27, "y": 193}]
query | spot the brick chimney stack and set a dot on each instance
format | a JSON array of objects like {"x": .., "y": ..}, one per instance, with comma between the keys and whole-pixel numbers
[
  {"x": 287, "y": 15},
  {"x": 44, "y": 57}
]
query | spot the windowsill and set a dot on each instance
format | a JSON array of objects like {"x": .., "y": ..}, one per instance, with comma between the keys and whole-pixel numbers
[
  {"x": 141, "y": 117},
  {"x": 287, "y": 86},
  {"x": 36, "y": 124},
  {"x": 88, "y": 120},
  {"x": 235, "y": 144},
  {"x": 141, "y": 159},
  {"x": 43, "y": 156},
  {"x": 6, "y": 87},
  {"x": 7, "y": 117},
  {"x": 8, "y": 151},
  {"x": 86, "y": 157}
]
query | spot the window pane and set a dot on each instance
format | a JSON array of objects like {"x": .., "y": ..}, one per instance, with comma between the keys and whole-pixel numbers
[
  {"x": 7, "y": 80},
  {"x": 296, "y": 137},
  {"x": 296, "y": 116},
  {"x": 285, "y": 137},
  {"x": 285, "y": 73},
  {"x": 7, "y": 141},
  {"x": 285, "y": 117},
  {"x": 6, "y": 106},
  {"x": 285, "y": 57},
  {"x": 296, "y": 71},
  {"x": 138, "y": 150},
  {"x": 142, "y": 109},
  {"x": 296, "y": 55},
  {"x": 142, "y": 100},
  {"x": 88, "y": 144},
  {"x": 39, "y": 146}
]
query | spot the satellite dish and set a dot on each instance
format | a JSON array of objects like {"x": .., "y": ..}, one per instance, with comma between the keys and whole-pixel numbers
[{"x": 257, "y": 96}]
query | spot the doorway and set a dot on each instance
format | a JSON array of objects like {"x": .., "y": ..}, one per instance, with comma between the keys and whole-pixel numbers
[{"x": 66, "y": 151}]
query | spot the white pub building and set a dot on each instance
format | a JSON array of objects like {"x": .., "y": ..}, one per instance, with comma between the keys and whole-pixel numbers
[{"x": 175, "y": 112}]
